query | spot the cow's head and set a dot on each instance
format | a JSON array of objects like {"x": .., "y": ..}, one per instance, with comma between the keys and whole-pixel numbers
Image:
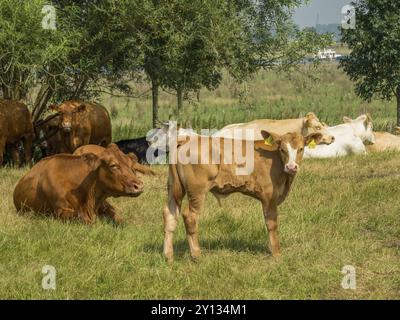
[
  {"x": 115, "y": 172},
  {"x": 362, "y": 127},
  {"x": 313, "y": 125},
  {"x": 291, "y": 147},
  {"x": 68, "y": 110}
]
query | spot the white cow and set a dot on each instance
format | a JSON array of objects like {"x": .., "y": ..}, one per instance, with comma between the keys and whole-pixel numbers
[{"x": 350, "y": 138}]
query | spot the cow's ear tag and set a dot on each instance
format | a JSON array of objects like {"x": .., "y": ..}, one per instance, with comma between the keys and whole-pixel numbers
[
  {"x": 312, "y": 144},
  {"x": 269, "y": 141}
]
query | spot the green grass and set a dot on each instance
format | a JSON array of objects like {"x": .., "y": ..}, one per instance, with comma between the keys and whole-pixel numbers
[
  {"x": 325, "y": 90},
  {"x": 340, "y": 212}
]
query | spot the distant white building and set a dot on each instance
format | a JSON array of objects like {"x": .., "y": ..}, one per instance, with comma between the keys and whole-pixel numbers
[{"x": 327, "y": 54}]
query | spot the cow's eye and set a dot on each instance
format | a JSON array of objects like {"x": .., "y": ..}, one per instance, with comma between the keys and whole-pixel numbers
[
  {"x": 318, "y": 128},
  {"x": 114, "y": 167}
]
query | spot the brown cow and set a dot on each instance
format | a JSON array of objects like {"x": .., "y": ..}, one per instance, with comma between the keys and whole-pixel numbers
[
  {"x": 131, "y": 157},
  {"x": 275, "y": 164},
  {"x": 68, "y": 186},
  {"x": 48, "y": 131},
  {"x": 83, "y": 123},
  {"x": 15, "y": 127}
]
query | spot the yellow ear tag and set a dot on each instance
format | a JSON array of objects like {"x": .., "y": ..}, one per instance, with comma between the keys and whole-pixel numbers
[
  {"x": 269, "y": 141},
  {"x": 312, "y": 144}
]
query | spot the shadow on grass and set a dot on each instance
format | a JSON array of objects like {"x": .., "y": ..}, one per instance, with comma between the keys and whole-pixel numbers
[
  {"x": 73, "y": 221},
  {"x": 181, "y": 246}
]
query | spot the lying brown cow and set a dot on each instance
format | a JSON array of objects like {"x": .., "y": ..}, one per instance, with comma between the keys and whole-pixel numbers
[
  {"x": 15, "y": 127},
  {"x": 130, "y": 157},
  {"x": 276, "y": 162},
  {"x": 69, "y": 186},
  {"x": 83, "y": 123}
]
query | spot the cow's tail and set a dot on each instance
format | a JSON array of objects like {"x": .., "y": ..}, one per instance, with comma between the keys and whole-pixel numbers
[{"x": 176, "y": 192}]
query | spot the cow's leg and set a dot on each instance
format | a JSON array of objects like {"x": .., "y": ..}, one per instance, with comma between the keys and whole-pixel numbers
[
  {"x": 14, "y": 150},
  {"x": 2, "y": 150},
  {"x": 107, "y": 210},
  {"x": 171, "y": 214},
  {"x": 271, "y": 220},
  {"x": 191, "y": 218},
  {"x": 87, "y": 216},
  {"x": 65, "y": 213},
  {"x": 27, "y": 142}
]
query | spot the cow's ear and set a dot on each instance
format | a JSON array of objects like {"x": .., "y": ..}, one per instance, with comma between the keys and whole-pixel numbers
[
  {"x": 81, "y": 108},
  {"x": 313, "y": 139},
  {"x": 133, "y": 157},
  {"x": 347, "y": 120},
  {"x": 54, "y": 107},
  {"x": 365, "y": 118},
  {"x": 92, "y": 160},
  {"x": 114, "y": 147},
  {"x": 158, "y": 124},
  {"x": 311, "y": 115},
  {"x": 309, "y": 118},
  {"x": 271, "y": 141},
  {"x": 136, "y": 166},
  {"x": 270, "y": 138},
  {"x": 369, "y": 118}
]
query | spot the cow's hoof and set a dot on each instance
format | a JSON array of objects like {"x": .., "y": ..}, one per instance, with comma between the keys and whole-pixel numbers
[
  {"x": 195, "y": 256},
  {"x": 118, "y": 220},
  {"x": 169, "y": 257},
  {"x": 276, "y": 255}
]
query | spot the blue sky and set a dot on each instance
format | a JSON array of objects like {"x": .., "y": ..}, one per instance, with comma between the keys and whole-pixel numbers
[{"x": 329, "y": 11}]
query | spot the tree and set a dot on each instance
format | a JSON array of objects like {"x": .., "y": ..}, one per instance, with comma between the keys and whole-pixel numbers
[
  {"x": 26, "y": 48},
  {"x": 193, "y": 60},
  {"x": 91, "y": 50},
  {"x": 374, "y": 63},
  {"x": 190, "y": 43},
  {"x": 102, "y": 56}
]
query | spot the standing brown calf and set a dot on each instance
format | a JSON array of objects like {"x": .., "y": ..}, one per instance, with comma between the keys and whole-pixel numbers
[
  {"x": 276, "y": 162},
  {"x": 15, "y": 127}
]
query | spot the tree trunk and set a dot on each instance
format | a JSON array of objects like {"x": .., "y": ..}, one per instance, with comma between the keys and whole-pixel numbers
[
  {"x": 40, "y": 105},
  {"x": 80, "y": 88},
  {"x": 154, "y": 92},
  {"x": 179, "y": 95},
  {"x": 398, "y": 105}
]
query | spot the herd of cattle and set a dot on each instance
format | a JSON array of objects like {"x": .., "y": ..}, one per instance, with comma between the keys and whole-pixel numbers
[{"x": 80, "y": 167}]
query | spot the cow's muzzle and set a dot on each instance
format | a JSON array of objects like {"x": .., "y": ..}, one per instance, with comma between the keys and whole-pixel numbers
[
  {"x": 134, "y": 189},
  {"x": 291, "y": 168},
  {"x": 328, "y": 140}
]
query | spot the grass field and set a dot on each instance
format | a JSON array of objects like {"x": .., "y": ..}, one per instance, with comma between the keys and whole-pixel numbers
[
  {"x": 340, "y": 212},
  {"x": 324, "y": 90}
]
